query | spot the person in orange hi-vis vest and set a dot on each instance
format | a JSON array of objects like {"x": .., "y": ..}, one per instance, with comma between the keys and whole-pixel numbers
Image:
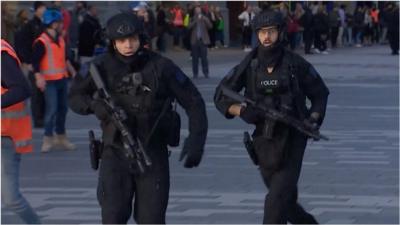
[
  {"x": 51, "y": 69},
  {"x": 16, "y": 132},
  {"x": 177, "y": 15}
]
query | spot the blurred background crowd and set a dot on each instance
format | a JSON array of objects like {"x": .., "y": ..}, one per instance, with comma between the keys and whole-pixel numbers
[{"x": 316, "y": 27}]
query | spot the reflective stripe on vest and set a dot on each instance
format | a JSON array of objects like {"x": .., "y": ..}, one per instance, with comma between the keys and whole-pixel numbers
[
  {"x": 51, "y": 70},
  {"x": 13, "y": 114},
  {"x": 21, "y": 144}
]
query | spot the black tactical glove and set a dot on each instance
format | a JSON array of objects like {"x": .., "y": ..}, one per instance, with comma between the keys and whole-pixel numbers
[
  {"x": 312, "y": 122},
  {"x": 100, "y": 110},
  {"x": 193, "y": 151},
  {"x": 251, "y": 115}
]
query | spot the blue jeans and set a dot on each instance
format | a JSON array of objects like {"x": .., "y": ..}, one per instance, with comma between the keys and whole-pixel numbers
[
  {"x": 219, "y": 36},
  {"x": 55, "y": 96},
  {"x": 349, "y": 38},
  {"x": 11, "y": 197}
]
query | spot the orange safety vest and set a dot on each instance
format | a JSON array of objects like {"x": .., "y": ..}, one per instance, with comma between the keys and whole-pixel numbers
[
  {"x": 178, "y": 17},
  {"x": 53, "y": 65},
  {"x": 15, "y": 119},
  {"x": 375, "y": 16}
]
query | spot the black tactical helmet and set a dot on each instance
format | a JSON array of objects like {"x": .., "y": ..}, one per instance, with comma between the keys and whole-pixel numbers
[
  {"x": 268, "y": 18},
  {"x": 123, "y": 25}
]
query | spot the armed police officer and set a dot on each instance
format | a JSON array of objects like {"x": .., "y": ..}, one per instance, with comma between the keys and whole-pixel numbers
[
  {"x": 279, "y": 81},
  {"x": 142, "y": 84}
]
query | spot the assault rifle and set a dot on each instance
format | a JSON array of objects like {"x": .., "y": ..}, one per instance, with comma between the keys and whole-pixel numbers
[
  {"x": 132, "y": 147},
  {"x": 276, "y": 115}
]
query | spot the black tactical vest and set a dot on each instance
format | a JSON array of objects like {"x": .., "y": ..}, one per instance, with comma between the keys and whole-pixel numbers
[
  {"x": 134, "y": 88},
  {"x": 274, "y": 89}
]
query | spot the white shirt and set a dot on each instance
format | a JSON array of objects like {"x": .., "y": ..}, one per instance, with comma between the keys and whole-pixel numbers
[{"x": 246, "y": 18}]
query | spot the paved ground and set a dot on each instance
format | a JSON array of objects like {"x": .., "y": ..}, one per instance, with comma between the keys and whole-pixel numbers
[{"x": 353, "y": 178}]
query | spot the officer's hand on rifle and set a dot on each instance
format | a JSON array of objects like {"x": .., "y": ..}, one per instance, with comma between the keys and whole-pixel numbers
[
  {"x": 251, "y": 114},
  {"x": 192, "y": 151},
  {"x": 312, "y": 122},
  {"x": 100, "y": 110}
]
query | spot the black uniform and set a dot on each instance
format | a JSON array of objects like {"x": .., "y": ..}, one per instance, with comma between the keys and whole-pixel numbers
[
  {"x": 279, "y": 153},
  {"x": 160, "y": 82},
  {"x": 119, "y": 181}
]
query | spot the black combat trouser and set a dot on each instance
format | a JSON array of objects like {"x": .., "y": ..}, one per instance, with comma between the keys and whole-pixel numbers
[
  {"x": 280, "y": 170},
  {"x": 307, "y": 38},
  {"x": 37, "y": 103},
  {"x": 393, "y": 36},
  {"x": 118, "y": 186}
]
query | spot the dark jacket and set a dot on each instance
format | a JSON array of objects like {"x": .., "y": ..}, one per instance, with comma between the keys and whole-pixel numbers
[
  {"x": 393, "y": 20},
  {"x": 90, "y": 34},
  {"x": 150, "y": 25},
  {"x": 321, "y": 23},
  {"x": 334, "y": 19},
  {"x": 25, "y": 38},
  {"x": 307, "y": 20},
  {"x": 14, "y": 80},
  {"x": 204, "y": 24},
  {"x": 162, "y": 24},
  {"x": 77, "y": 18},
  {"x": 358, "y": 19}
]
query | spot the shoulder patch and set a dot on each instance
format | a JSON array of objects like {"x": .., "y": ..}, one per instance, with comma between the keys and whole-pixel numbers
[
  {"x": 180, "y": 76},
  {"x": 312, "y": 72}
]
